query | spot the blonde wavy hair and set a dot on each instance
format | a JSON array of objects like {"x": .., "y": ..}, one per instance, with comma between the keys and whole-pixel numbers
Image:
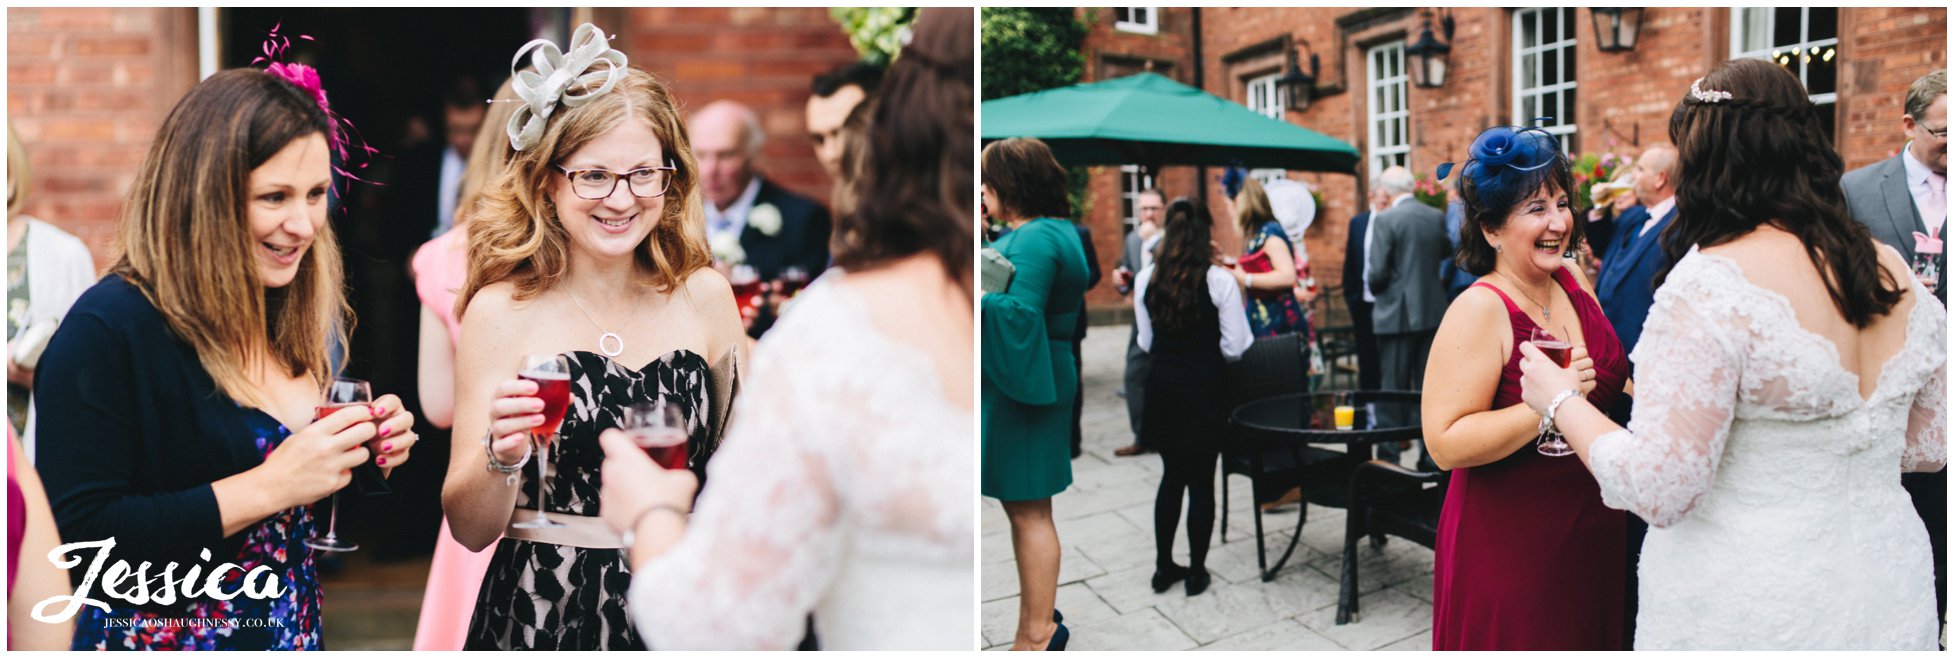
[
  {"x": 515, "y": 234},
  {"x": 18, "y": 175},
  {"x": 1252, "y": 209},
  {"x": 186, "y": 242}
]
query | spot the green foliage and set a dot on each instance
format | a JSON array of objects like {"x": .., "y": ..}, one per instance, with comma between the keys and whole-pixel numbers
[
  {"x": 876, "y": 32},
  {"x": 1028, "y": 49}
]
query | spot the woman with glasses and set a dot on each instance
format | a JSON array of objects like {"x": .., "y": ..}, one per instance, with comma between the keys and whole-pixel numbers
[{"x": 588, "y": 248}]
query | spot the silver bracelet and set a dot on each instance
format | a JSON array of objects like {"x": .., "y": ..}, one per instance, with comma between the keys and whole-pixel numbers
[
  {"x": 1552, "y": 407},
  {"x": 496, "y": 465}
]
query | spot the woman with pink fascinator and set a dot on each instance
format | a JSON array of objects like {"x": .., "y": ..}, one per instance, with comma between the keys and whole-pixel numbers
[{"x": 182, "y": 400}]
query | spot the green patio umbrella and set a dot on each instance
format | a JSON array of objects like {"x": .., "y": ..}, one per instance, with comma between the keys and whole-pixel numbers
[{"x": 1152, "y": 121}]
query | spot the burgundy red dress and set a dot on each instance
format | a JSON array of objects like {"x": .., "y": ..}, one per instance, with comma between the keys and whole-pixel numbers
[{"x": 1528, "y": 558}]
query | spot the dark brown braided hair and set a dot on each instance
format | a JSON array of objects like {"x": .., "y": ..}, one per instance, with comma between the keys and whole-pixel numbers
[
  {"x": 1186, "y": 249},
  {"x": 1762, "y": 157}
]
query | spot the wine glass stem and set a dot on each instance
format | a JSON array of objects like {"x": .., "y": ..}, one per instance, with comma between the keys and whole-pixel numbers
[
  {"x": 542, "y": 481},
  {"x": 332, "y": 519}
]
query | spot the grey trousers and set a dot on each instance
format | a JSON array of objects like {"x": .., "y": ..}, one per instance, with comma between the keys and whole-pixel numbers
[
  {"x": 1136, "y": 381},
  {"x": 1402, "y": 357}
]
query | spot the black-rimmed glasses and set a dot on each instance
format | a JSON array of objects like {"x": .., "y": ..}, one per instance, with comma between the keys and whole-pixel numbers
[{"x": 598, "y": 184}]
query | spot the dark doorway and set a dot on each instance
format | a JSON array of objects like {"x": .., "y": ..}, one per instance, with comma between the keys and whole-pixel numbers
[{"x": 387, "y": 71}]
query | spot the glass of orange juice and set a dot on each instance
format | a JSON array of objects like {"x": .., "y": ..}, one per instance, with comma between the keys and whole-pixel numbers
[{"x": 1346, "y": 413}]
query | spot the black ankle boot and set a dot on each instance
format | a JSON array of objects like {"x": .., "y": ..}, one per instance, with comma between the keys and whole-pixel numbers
[
  {"x": 1164, "y": 578},
  {"x": 1197, "y": 580}
]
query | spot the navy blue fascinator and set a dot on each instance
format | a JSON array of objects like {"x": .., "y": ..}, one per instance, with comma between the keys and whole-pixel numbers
[
  {"x": 1506, "y": 163},
  {"x": 1232, "y": 180}
]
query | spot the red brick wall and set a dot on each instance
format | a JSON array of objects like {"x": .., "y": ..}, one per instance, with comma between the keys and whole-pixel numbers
[
  {"x": 82, "y": 92},
  {"x": 1170, "y": 47},
  {"x": 88, "y": 87},
  {"x": 1632, "y": 93},
  {"x": 764, "y": 58},
  {"x": 1885, "y": 50}
]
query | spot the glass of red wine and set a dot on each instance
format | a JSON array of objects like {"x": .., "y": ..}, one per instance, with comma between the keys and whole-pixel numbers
[
  {"x": 552, "y": 376},
  {"x": 746, "y": 285},
  {"x": 1550, "y": 442},
  {"x": 792, "y": 280},
  {"x": 340, "y": 393},
  {"x": 659, "y": 428}
]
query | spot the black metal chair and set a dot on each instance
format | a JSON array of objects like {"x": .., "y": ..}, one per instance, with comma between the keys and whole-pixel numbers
[
  {"x": 1336, "y": 339},
  {"x": 1387, "y": 499},
  {"x": 1272, "y": 366}
]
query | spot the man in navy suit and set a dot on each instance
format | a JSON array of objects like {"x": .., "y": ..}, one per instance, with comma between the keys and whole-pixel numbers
[
  {"x": 774, "y": 228},
  {"x": 1626, "y": 290},
  {"x": 1359, "y": 299}
]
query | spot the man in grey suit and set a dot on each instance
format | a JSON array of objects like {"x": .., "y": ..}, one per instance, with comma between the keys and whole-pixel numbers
[
  {"x": 1406, "y": 247},
  {"x": 1907, "y": 194},
  {"x": 1144, "y": 237},
  {"x": 1898, "y": 198}
]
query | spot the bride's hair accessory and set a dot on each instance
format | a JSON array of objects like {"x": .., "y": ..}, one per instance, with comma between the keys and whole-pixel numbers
[
  {"x": 1505, "y": 162},
  {"x": 1697, "y": 92},
  {"x": 342, "y": 133},
  {"x": 555, "y": 73}
]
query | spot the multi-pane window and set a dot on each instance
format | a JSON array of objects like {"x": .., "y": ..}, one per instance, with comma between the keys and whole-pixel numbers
[
  {"x": 1543, "y": 70},
  {"x": 1145, "y": 20},
  {"x": 1266, "y": 98},
  {"x": 1804, "y": 40},
  {"x": 1131, "y": 184},
  {"x": 1389, "y": 115}
]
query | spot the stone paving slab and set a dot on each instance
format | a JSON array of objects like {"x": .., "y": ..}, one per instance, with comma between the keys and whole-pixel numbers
[{"x": 1105, "y": 526}]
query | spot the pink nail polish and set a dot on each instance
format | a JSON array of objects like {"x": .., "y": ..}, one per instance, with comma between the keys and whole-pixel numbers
[
  {"x": 378, "y": 412},
  {"x": 381, "y": 462},
  {"x": 387, "y": 447},
  {"x": 384, "y": 431}
]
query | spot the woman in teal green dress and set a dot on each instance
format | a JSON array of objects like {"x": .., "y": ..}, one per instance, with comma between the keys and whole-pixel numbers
[{"x": 1029, "y": 379}]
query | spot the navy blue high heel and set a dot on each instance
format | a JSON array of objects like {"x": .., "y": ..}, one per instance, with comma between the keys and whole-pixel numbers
[
  {"x": 1059, "y": 638},
  {"x": 1057, "y": 616}
]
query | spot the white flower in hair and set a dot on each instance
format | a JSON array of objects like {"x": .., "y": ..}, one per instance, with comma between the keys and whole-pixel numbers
[
  {"x": 726, "y": 249},
  {"x": 1697, "y": 92},
  {"x": 556, "y": 73},
  {"x": 766, "y": 218}
]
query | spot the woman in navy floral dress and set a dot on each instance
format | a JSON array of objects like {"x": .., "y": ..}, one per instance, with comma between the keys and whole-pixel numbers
[
  {"x": 168, "y": 396},
  {"x": 1272, "y": 307}
]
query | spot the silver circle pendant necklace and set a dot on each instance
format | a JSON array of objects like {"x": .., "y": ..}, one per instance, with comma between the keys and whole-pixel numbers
[{"x": 607, "y": 338}]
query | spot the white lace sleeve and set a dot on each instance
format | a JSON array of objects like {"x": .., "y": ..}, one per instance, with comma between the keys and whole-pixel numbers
[
  {"x": 845, "y": 488},
  {"x": 1686, "y": 375},
  {"x": 1926, "y": 447},
  {"x": 764, "y": 538}
]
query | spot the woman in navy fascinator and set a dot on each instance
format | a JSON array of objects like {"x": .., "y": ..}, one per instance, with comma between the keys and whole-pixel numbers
[{"x": 1528, "y": 557}]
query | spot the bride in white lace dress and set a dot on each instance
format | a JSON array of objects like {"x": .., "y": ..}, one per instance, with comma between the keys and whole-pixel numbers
[
  {"x": 1789, "y": 371},
  {"x": 846, "y": 484}
]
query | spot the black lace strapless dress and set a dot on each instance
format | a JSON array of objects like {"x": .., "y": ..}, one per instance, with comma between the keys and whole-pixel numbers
[{"x": 539, "y": 596}]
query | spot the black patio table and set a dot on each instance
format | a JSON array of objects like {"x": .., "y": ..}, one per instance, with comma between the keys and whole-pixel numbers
[{"x": 1299, "y": 421}]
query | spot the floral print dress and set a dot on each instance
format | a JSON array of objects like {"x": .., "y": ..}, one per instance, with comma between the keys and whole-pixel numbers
[
  {"x": 289, "y": 621},
  {"x": 1272, "y": 314}
]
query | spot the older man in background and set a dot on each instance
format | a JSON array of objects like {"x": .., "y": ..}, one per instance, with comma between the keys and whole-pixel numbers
[
  {"x": 749, "y": 220},
  {"x": 1407, "y": 244}
]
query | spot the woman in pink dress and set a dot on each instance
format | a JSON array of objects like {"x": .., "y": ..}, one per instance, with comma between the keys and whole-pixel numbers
[
  {"x": 1528, "y": 557},
  {"x": 439, "y": 269}
]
